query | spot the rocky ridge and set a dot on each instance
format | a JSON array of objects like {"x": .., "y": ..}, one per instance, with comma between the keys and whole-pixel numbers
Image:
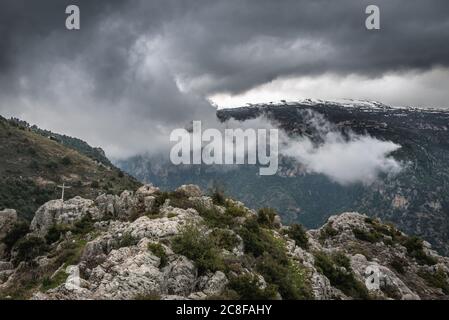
[{"x": 150, "y": 244}]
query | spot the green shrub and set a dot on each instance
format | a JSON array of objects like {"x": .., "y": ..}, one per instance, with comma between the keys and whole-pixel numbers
[
  {"x": 368, "y": 236},
  {"x": 81, "y": 227},
  {"x": 214, "y": 218},
  {"x": 369, "y": 220},
  {"x": 199, "y": 248},
  {"x": 265, "y": 217},
  {"x": 95, "y": 184},
  {"x": 66, "y": 161},
  {"x": 58, "y": 279},
  {"x": 160, "y": 199},
  {"x": 388, "y": 230},
  {"x": 256, "y": 240},
  {"x": 223, "y": 238},
  {"x": 286, "y": 275},
  {"x": 127, "y": 240},
  {"x": 338, "y": 270},
  {"x": 84, "y": 226},
  {"x": 398, "y": 264},
  {"x": 18, "y": 231},
  {"x": 437, "y": 279},
  {"x": 415, "y": 249},
  {"x": 159, "y": 251},
  {"x": 298, "y": 233},
  {"x": 71, "y": 252},
  {"x": 30, "y": 248},
  {"x": 177, "y": 200},
  {"x": 51, "y": 165},
  {"x": 328, "y": 232},
  {"x": 234, "y": 210},
  {"x": 53, "y": 234},
  {"x": 34, "y": 165},
  {"x": 273, "y": 262},
  {"x": 171, "y": 215},
  {"x": 218, "y": 197},
  {"x": 248, "y": 287}
]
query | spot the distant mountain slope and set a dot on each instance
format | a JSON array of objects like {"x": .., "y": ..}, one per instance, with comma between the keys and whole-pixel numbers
[
  {"x": 417, "y": 200},
  {"x": 32, "y": 165}
]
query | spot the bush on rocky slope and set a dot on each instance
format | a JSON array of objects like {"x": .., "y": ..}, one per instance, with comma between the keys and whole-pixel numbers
[
  {"x": 200, "y": 248},
  {"x": 337, "y": 269}
]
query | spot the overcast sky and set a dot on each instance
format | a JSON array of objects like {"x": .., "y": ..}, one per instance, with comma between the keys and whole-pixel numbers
[{"x": 138, "y": 69}]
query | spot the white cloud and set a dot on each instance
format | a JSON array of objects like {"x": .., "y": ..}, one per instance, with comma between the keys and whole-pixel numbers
[{"x": 345, "y": 159}]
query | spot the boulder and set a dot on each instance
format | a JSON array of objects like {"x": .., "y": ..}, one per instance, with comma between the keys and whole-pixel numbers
[
  {"x": 126, "y": 205},
  {"x": 190, "y": 190},
  {"x": 57, "y": 212},
  {"x": 216, "y": 284},
  {"x": 389, "y": 282},
  {"x": 180, "y": 276},
  {"x": 107, "y": 205},
  {"x": 127, "y": 273}
]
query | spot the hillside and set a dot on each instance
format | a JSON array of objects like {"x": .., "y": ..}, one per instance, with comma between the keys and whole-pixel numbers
[
  {"x": 76, "y": 144},
  {"x": 416, "y": 200},
  {"x": 183, "y": 244},
  {"x": 32, "y": 165}
]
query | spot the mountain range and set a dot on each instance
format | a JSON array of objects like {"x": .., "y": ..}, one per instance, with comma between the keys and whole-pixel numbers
[{"x": 415, "y": 199}]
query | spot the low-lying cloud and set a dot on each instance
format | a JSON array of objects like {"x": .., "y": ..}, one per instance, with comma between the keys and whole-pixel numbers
[{"x": 344, "y": 158}]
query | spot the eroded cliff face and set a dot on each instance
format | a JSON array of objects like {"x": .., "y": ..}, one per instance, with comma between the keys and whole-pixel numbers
[{"x": 183, "y": 244}]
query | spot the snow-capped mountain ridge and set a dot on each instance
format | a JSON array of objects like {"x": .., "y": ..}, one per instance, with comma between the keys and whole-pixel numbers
[{"x": 360, "y": 104}]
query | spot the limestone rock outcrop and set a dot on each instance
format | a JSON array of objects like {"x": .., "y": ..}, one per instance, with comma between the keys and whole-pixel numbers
[{"x": 127, "y": 247}]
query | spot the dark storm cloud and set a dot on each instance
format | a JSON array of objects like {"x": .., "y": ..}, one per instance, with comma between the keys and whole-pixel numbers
[
  {"x": 238, "y": 44},
  {"x": 144, "y": 67}
]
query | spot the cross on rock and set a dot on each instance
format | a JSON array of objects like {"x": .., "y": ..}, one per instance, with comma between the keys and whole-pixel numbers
[{"x": 63, "y": 187}]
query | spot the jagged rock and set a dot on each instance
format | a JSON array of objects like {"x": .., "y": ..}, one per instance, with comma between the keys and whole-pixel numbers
[
  {"x": 197, "y": 296},
  {"x": 180, "y": 276},
  {"x": 117, "y": 262},
  {"x": 57, "y": 212},
  {"x": 163, "y": 227},
  {"x": 202, "y": 202},
  {"x": 107, "y": 205},
  {"x": 190, "y": 190},
  {"x": 277, "y": 221},
  {"x": 126, "y": 205},
  {"x": 127, "y": 273},
  {"x": 322, "y": 288},
  {"x": 216, "y": 284},
  {"x": 146, "y": 191},
  {"x": 388, "y": 281},
  {"x": 148, "y": 203}
]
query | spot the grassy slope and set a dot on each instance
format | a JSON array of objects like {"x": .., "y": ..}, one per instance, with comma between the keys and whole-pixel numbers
[{"x": 31, "y": 166}]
